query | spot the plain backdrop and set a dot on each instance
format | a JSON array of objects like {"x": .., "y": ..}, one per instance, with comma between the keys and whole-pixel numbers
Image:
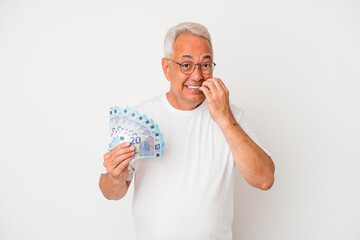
[{"x": 292, "y": 65}]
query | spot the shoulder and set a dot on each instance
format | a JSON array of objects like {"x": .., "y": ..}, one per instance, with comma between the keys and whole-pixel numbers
[
  {"x": 153, "y": 107},
  {"x": 151, "y": 103}
]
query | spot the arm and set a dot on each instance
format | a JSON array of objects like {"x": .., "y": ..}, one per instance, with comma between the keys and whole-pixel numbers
[
  {"x": 253, "y": 163},
  {"x": 113, "y": 188},
  {"x": 113, "y": 183}
]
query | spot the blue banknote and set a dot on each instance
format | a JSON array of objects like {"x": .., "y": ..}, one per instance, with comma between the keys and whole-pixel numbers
[{"x": 128, "y": 125}]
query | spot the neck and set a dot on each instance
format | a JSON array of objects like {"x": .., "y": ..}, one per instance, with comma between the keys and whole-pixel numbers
[{"x": 181, "y": 105}]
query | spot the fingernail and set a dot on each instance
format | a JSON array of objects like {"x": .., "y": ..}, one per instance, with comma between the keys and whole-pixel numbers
[
  {"x": 127, "y": 144},
  {"x": 132, "y": 148}
]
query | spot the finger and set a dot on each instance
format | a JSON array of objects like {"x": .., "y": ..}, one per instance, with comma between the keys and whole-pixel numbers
[
  {"x": 124, "y": 163},
  {"x": 222, "y": 84},
  {"x": 216, "y": 82},
  {"x": 210, "y": 85},
  {"x": 121, "y": 167},
  {"x": 113, "y": 164},
  {"x": 109, "y": 162},
  {"x": 106, "y": 155},
  {"x": 121, "y": 158},
  {"x": 122, "y": 145},
  {"x": 119, "y": 151},
  {"x": 206, "y": 91}
]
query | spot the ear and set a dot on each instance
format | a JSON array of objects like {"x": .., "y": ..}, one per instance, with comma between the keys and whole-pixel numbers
[{"x": 166, "y": 68}]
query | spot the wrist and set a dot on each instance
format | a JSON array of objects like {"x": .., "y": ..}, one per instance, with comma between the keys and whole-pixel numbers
[
  {"x": 228, "y": 122},
  {"x": 116, "y": 180}
]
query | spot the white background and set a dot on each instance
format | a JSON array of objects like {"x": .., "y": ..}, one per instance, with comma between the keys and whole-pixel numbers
[{"x": 292, "y": 65}]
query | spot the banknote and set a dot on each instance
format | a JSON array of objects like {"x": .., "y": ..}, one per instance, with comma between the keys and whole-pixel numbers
[
  {"x": 145, "y": 146},
  {"x": 128, "y": 125}
]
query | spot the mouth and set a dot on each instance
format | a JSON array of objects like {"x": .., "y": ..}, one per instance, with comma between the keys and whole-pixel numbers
[{"x": 192, "y": 86}]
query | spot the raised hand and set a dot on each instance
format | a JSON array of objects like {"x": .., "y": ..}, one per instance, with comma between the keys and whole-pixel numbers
[{"x": 217, "y": 97}]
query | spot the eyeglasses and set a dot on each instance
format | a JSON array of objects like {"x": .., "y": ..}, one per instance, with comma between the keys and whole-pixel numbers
[{"x": 188, "y": 68}]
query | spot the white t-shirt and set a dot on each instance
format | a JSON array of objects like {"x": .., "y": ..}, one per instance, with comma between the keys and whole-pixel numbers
[{"x": 187, "y": 193}]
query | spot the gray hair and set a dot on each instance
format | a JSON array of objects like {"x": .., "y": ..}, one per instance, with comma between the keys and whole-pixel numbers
[{"x": 183, "y": 28}]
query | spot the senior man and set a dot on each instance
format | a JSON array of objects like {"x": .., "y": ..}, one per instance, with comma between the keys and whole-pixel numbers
[{"x": 188, "y": 193}]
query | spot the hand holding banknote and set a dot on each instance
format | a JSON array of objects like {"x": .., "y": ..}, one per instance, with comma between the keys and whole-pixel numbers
[
  {"x": 117, "y": 161},
  {"x": 128, "y": 125},
  {"x": 132, "y": 136}
]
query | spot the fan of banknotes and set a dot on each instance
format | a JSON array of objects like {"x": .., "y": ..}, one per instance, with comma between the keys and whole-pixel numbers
[{"x": 128, "y": 125}]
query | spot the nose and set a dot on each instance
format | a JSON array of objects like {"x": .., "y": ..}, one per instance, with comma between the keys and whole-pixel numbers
[{"x": 197, "y": 74}]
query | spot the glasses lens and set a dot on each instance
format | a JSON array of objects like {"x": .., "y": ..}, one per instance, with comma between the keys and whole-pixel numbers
[
  {"x": 207, "y": 68},
  {"x": 187, "y": 67}
]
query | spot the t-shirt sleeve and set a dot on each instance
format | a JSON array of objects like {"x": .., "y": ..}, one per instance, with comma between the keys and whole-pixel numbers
[
  {"x": 131, "y": 172},
  {"x": 240, "y": 118}
]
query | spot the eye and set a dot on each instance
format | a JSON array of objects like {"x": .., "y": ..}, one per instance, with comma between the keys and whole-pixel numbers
[
  {"x": 206, "y": 65},
  {"x": 186, "y": 65}
]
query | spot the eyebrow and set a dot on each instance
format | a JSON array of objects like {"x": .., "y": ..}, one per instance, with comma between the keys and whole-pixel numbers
[
  {"x": 203, "y": 58},
  {"x": 206, "y": 57},
  {"x": 187, "y": 56}
]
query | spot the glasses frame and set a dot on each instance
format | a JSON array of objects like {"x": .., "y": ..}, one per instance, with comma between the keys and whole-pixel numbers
[{"x": 199, "y": 64}]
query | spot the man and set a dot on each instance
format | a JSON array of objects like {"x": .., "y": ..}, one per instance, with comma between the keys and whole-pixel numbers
[{"x": 188, "y": 193}]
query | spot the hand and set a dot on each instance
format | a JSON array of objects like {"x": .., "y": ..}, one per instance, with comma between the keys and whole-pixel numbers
[
  {"x": 117, "y": 161},
  {"x": 217, "y": 96}
]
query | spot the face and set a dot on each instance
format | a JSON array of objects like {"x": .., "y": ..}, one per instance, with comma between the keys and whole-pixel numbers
[{"x": 184, "y": 93}]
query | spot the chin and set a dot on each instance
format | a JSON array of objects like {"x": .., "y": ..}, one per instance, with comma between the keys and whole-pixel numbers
[{"x": 197, "y": 99}]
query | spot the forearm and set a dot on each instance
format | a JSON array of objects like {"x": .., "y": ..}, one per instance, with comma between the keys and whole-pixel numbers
[
  {"x": 112, "y": 188},
  {"x": 253, "y": 163}
]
